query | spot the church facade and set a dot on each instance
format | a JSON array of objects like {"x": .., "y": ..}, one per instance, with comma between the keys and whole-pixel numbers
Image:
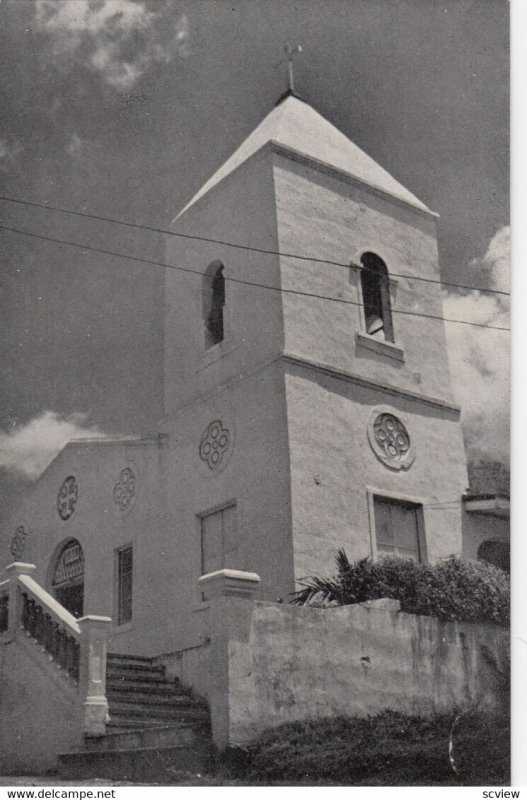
[{"x": 307, "y": 401}]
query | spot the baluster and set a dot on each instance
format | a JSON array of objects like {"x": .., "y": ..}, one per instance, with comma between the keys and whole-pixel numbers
[
  {"x": 31, "y": 617},
  {"x": 76, "y": 660},
  {"x": 61, "y": 650},
  {"x": 25, "y": 611},
  {"x": 48, "y": 633},
  {"x": 39, "y": 624},
  {"x": 70, "y": 666},
  {"x": 4, "y": 613},
  {"x": 54, "y": 643}
]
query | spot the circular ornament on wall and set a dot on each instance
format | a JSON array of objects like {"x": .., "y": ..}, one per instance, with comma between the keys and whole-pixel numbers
[
  {"x": 67, "y": 497},
  {"x": 125, "y": 491},
  {"x": 215, "y": 446},
  {"x": 18, "y": 542},
  {"x": 389, "y": 439}
]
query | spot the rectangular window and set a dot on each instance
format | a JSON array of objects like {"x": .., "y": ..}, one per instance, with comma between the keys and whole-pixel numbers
[
  {"x": 397, "y": 528},
  {"x": 219, "y": 540},
  {"x": 125, "y": 563}
]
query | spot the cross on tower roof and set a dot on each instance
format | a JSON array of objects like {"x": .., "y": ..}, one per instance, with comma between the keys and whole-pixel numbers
[{"x": 290, "y": 52}]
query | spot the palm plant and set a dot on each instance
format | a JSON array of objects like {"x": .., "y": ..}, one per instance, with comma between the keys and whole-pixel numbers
[{"x": 452, "y": 589}]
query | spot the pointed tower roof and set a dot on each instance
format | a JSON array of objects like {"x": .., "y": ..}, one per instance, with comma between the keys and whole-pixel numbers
[{"x": 296, "y": 126}]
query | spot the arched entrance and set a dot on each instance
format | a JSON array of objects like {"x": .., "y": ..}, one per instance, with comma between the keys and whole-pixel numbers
[{"x": 67, "y": 578}]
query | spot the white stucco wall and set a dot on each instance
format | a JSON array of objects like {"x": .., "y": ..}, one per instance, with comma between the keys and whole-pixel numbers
[
  {"x": 327, "y": 217},
  {"x": 289, "y": 663},
  {"x": 334, "y": 471},
  {"x": 40, "y": 713}
]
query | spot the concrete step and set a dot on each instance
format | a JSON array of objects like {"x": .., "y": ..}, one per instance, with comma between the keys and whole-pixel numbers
[
  {"x": 119, "y": 724},
  {"x": 156, "y": 713},
  {"x": 150, "y": 700},
  {"x": 130, "y": 667},
  {"x": 145, "y": 765},
  {"x": 123, "y": 674},
  {"x": 145, "y": 687},
  {"x": 184, "y": 733},
  {"x": 128, "y": 657}
]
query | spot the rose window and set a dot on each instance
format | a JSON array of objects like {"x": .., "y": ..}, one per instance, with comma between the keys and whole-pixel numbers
[
  {"x": 124, "y": 491},
  {"x": 214, "y": 444},
  {"x": 389, "y": 439},
  {"x": 391, "y": 436},
  {"x": 18, "y": 542},
  {"x": 67, "y": 498}
]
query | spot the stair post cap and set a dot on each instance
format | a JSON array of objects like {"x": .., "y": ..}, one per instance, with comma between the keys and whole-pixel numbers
[
  {"x": 232, "y": 574},
  {"x": 92, "y": 619},
  {"x": 229, "y": 582},
  {"x": 20, "y": 568}
]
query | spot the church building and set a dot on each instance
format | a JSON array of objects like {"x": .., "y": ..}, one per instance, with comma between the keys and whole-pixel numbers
[
  {"x": 307, "y": 401},
  {"x": 307, "y": 394}
]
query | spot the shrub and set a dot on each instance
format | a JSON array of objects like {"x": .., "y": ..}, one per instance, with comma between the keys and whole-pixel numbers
[{"x": 453, "y": 589}]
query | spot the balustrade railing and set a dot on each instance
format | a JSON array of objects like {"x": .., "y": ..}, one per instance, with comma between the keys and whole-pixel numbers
[
  {"x": 54, "y": 639},
  {"x": 77, "y": 646},
  {"x": 4, "y": 613}
]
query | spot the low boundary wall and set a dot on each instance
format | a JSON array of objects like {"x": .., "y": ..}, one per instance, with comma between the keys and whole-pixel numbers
[{"x": 273, "y": 663}]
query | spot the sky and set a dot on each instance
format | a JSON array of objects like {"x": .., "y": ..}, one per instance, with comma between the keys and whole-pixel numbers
[{"x": 124, "y": 108}]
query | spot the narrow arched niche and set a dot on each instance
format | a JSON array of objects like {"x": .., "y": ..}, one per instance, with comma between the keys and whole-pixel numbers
[
  {"x": 214, "y": 304},
  {"x": 375, "y": 285}
]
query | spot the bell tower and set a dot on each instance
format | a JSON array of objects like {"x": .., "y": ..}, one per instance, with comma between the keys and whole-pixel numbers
[{"x": 303, "y": 320}]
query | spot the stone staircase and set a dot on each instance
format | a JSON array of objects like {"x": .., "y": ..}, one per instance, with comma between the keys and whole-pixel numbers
[{"x": 156, "y": 729}]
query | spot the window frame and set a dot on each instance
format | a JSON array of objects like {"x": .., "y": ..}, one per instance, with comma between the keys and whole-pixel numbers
[
  {"x": 391, "y": 349},
  {"x": 208, "y": 513},
  {"x": 200, "y": 516},
  {"x": 418, "y": 503},
  {"x": 384, "y": 289},
  {"x": 118, "y": 621}
]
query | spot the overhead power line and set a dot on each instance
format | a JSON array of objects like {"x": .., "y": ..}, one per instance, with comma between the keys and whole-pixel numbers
[
  {"x": 138, "y": 259},
  {"x": 223, "y": 243}
]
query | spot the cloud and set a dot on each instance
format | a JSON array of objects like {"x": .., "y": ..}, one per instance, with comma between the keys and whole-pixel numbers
[
  {"x": 9, "y": 150},
  {"x": 74, "y": 145},
  {"x": 27, "y": 451},
  {"x": 480, "y": 358},
  {"x": 118, "y": 39},
  {"x": 496, "y": 263}
]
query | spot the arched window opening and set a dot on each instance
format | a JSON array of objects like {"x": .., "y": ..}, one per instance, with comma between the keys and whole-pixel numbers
[
  {"x": 376, "y": 297},
  {"x": 495, "y": 552},
  {"x": 213, "y": 306},
  {"x": 67, "y": 579}
]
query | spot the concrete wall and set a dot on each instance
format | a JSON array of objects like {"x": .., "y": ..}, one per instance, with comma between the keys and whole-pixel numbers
[
  {"x": 335, "y": 473},
  {"x": 329, "y": 217},
  {"x": 336, "y": 379},
  {"x": 240, "y": 210},
  {"x": 256, "y": 478},
  {"x": 191, "y": 667},
  {"x": 289, "y": 663},
  {"x": 40, "y": 713}
]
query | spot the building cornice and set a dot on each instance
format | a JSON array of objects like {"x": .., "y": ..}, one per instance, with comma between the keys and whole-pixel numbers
[
  {"x": 359, "y": 380},
  {"x": 321, "y": 166}
]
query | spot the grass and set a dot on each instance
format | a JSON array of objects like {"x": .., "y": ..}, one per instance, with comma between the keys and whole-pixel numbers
[{"x": 390, "y": 749}]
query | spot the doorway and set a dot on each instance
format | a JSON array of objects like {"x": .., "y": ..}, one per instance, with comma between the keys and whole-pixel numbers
[{"x": 68, "y": 578}]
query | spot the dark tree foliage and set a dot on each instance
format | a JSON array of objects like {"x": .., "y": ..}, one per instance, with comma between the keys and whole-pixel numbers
[{"x": 452, "y": 589}]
